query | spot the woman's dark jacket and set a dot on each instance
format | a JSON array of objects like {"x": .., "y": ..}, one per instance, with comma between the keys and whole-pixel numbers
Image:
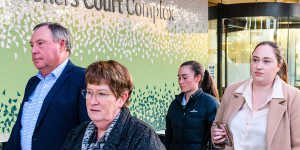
[
  {"x": 189, "y": 128},
  {"x": 129, "y": 133}
]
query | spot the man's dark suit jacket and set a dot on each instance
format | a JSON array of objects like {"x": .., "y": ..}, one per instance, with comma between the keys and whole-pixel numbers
[{"x": 62, "y": 110}]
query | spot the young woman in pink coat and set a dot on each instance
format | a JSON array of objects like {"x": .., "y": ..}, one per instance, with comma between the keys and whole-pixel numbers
[{"x": 263, "y": 112}]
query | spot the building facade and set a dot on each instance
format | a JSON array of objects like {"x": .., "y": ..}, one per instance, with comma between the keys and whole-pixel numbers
[{"x": 150, "y": 37}]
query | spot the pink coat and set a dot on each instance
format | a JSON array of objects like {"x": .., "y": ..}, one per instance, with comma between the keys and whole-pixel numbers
[{"x": 283, "y": 120}]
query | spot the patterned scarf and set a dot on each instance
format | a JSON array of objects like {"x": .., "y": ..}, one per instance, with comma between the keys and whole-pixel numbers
[{"x": 90, "y": 142}]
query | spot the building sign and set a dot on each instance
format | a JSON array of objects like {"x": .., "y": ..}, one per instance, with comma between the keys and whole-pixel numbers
[
  {"x": 130, "y": 7},
  {"x": 212, "y": 70}
]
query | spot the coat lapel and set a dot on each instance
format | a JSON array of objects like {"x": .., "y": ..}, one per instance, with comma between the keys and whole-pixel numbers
[
  {"x": 33, "y": 83},
  {"x": 275, "y": 114},
  {"x": 237, "y": 102},
  {"x": 56, "y": 87}
]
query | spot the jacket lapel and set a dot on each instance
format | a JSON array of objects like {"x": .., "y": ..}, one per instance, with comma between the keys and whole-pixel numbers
[
  {"x": 237, "y": 102},
  {"x": 50, "y": 97},
  {"x": 117, "y": 135},
  {"x": 275, "y": 114},
  {"x": 33, "y": 83}
]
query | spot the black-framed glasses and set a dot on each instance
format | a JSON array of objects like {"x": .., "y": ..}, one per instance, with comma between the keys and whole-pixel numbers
[{"x": 88, "y": 94}]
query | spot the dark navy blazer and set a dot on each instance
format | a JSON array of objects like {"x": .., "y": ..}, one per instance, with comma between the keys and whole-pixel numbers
[{"x": 62, "y": 110}]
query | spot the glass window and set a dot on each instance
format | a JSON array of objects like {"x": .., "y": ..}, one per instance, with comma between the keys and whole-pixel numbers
[{"x": 242, "y": 34}]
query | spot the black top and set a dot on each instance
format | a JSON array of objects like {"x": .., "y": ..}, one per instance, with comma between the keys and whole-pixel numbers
[
  {"x": 188, "y": 128},
  {"x": 129, "y": 133}
]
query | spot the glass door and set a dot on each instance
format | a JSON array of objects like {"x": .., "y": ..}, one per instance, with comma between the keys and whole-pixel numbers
[{"x": 241, "y": 35}]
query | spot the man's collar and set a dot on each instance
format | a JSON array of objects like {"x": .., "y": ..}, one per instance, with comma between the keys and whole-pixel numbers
[{"x": 57, "y": 71}]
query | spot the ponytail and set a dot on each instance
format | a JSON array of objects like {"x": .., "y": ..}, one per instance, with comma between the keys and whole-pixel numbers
[
  {"x": 283, "y": 72},
  {"x": 208, "y": 85}
]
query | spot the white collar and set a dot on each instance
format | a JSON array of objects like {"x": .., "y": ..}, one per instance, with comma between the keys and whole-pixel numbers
[{"x": 246, "y": 90}]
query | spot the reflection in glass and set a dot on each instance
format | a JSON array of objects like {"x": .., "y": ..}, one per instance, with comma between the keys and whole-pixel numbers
[{"x": 242, "y": 34}]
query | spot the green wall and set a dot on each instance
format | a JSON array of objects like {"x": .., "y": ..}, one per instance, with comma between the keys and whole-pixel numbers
[{"x": 151, "y": 51}]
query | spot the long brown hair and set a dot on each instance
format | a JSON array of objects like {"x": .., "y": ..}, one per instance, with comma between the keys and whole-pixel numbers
[
  {"x": 207, "y": 83},
  {"x": 283, "y": 72}
]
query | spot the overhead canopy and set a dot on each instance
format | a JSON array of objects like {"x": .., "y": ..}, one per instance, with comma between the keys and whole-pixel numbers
[{"x": 215, "y": 2}]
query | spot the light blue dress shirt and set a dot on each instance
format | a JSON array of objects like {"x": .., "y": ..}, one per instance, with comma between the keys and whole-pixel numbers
[
  {"x": 183, "y": 102},
  {"x": 32, "y": 107}
]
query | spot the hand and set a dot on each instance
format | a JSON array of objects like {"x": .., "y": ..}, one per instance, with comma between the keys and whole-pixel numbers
[{"x": 218, "y": 134}]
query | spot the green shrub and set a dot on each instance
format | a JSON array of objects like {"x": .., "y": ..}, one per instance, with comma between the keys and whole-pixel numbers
[
  {"x": 151, "y": 104},
  {"x": 8, "y": 111}
]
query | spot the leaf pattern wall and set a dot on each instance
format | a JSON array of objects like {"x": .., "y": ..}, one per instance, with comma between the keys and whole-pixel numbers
[{"x": 151, "y": 52}]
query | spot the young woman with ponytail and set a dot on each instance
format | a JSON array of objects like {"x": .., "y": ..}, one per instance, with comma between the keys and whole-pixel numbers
[
  {"x": 191, "y": 114},
  {"x": 261, "y": 113}
]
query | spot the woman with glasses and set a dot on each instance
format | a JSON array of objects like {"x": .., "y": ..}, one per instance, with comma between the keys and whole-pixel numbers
[
  {"x": 263, "y": 112},
  {"x": 109, "y": 86},
  {"x": 193, "y": 111}
]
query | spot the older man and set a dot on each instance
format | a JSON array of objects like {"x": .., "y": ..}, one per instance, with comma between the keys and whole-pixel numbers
[{"x": 52, "y": 103}]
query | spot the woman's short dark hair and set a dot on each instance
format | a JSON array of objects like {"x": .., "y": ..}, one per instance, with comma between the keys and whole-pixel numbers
[{"x": 112, "y": 73}]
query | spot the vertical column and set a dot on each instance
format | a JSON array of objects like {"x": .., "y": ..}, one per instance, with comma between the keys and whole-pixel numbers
[{"x": 219, "y": 48}]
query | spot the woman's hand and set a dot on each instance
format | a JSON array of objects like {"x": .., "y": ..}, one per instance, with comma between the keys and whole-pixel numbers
[{"x": 218, "y": 134}]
